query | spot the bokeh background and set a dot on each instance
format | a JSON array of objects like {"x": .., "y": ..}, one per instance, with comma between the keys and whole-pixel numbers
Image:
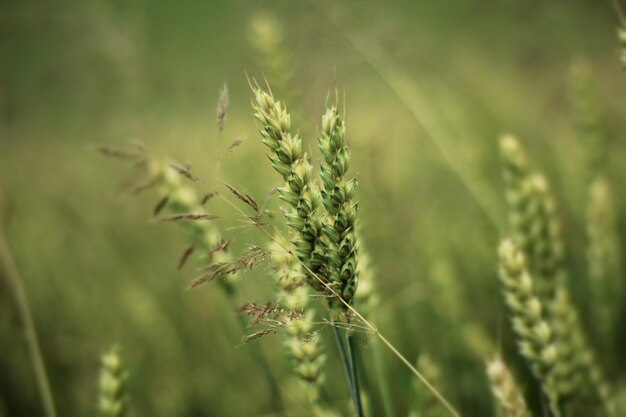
[{"x": 429, "y": 88}]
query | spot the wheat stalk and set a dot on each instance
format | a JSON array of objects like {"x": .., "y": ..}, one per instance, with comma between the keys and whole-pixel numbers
[{"x": 14, "y": 277}]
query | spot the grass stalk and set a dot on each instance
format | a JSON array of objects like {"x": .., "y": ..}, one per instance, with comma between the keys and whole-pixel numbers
[
  {"x": 343, "y": 356},
  {"x": 30, "y": 331},
  {"x": 352, "y": 362},
  {"x": 381, "y": 372}
]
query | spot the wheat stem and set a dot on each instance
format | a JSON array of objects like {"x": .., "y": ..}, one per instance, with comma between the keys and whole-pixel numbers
[
  {"x": 32, "y": 341},
  {"x": 352, "y": 361}
]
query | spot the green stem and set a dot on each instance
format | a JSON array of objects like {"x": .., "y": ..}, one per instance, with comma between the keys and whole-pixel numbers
[
  {"x": 32, "y": 340},
  {"x": 352, "y": 355},
  {"x": 342, "y": 352},
  {"x": 381, "y": 372}
]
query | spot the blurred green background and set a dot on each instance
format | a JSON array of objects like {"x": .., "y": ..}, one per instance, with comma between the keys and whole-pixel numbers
[{"x": 429, "y": 87}]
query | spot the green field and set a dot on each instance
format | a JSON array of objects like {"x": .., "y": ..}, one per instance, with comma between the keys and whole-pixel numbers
[{"x": 428, "y": 89}]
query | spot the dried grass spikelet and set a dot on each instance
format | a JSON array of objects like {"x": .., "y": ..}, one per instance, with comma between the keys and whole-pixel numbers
[
  {"x": 299, "y": 191},
  {"x": 510, "y": 399},
  {"x": 301, "y": 343},
  {"x": 338, "y": 199},
  {"x": 426, "y": 404},
  {"x": 535, "y": 337},
  {"x": 179, "y": 198},
  {"x": 112, "y": 397}
]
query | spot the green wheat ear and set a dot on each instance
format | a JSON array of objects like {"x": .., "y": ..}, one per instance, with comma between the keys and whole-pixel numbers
[
  {"x": 426, "y": 404},
  {"x": 511, "y": 402},
  {"x": 301, "y": 342},
  {"x": 603, "y": 253},
  {"x": 621, "y": 37},
  {"x": 299, "y": 191},
  {"x": 267, "y": 37},
  {"x": 540, "y": 242},
  {"x": 532, "y": 217},
  {"x": 535, "y": 337},
  {"x": 112, "y": 399},
  {"x": 338, "y": 199}
]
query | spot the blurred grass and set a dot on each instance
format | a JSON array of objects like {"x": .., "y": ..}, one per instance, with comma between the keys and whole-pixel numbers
[{"x": 419, "y": 78}]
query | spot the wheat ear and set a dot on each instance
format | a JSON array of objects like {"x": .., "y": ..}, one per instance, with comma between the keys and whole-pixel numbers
[
  {"x": 542, "y": 245},
  {"x": 426, "y": 405},
  {"x": 534, "y": 335},
  {"x": 338, "y": 199},
  {"x": 112, "y": 399},
  {"x": 301, "y": 343},
  {"x": 510, "y": 399},
  {"x": 531, "y": 216},
  {"x": 603, "y": 254},
  {"x": 299, "y": 191}
]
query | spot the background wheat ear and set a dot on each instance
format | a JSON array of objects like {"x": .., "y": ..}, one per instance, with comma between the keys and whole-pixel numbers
[
  {"x": 112, "y": 395},
  {"x": 535, "y": 337},
  {"x": 539, "y": 238},
  {"x": 425, "y": 404},
  {"x": 301, "y": 340},
  {"x": 510, "y": 400}
]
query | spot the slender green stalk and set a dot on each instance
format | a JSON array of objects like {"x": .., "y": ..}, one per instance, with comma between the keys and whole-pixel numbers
[
  {"x": 383, "y": 378},
  {"x": 32, "y": 341},
  {"x": 367, "y": 299},
  {"x": 354, "y": 378},
  {"x": 343, "y": 355}
]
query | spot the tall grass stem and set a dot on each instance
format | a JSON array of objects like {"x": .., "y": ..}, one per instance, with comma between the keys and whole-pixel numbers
[{"x": 30, "y": 331}]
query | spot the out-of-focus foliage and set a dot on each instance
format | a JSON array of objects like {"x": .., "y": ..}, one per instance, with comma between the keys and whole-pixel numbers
[{"x": 429, "y": 89}]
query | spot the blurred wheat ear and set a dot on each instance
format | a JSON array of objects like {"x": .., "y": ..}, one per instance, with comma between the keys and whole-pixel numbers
[{"x": 112, "y": 395}]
